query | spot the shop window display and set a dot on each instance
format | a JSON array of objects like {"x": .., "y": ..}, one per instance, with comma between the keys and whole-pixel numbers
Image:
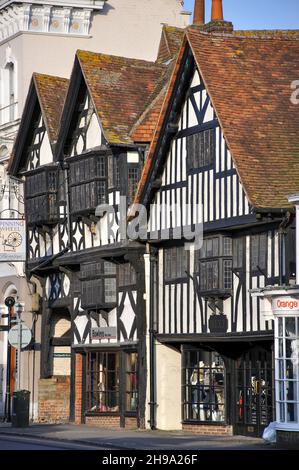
[
  {"x": 102, "y": 385},
  {"x": 203, "y": 386}
]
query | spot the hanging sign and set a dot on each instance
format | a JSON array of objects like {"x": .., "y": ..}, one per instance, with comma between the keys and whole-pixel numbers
[
  {"x": 285, "y": 304},
  {"x": 12, "y": 240}
]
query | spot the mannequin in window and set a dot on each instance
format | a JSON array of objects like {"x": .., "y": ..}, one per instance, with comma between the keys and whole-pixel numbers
[{"x": 198, "y": 393}]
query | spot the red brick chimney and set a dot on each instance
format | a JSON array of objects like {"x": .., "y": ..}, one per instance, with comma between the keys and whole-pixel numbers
[
  {"x": 217, "y": 10},
  {"x": 217, "y": 23},
  {"x": 199, "y": 12}
]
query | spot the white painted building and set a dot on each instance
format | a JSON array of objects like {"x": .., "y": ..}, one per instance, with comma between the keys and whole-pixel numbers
[{"x": 43, "y": 36}]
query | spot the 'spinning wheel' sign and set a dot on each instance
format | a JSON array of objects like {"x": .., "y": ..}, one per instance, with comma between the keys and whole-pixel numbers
[
  {"x": 12, "y": 240},
  {"x": 13, "y": 336}
]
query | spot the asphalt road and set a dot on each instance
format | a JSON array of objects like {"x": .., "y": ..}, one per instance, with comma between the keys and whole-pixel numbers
[{"x": 20, "y": 443}]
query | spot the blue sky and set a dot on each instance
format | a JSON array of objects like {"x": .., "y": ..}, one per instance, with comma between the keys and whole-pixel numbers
[{"x": 257, "y": 14}]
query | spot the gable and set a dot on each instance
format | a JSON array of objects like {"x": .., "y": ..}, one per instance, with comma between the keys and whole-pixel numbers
[
  {"x": 39, "y": 151},
  {"x": 87, "y": 133},
  {"x": 199, "y": 181}
]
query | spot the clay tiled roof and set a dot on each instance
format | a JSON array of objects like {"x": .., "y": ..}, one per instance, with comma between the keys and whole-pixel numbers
[
  {"x": 249, "y": 82},
  {"x": 170, "y": 43},
  {"x": 121, "y": 89},
  {"x": 51, "y": 92}
]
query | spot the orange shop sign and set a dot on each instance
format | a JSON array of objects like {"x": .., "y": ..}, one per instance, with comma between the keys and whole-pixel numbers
[{"x": 285, "y": 304}]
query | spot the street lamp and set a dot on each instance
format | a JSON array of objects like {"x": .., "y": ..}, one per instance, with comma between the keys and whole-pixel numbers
[{"x": 19, "y": 310}]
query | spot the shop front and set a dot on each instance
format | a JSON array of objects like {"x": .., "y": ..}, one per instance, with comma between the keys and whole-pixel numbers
[
  {"x": 286, "y": 311},
  {"x": 107, "y": 387},
  {"x": 228, "y": 388}
]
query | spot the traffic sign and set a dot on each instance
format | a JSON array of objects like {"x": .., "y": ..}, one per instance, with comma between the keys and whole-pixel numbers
[{"x": 26, "y": 336}]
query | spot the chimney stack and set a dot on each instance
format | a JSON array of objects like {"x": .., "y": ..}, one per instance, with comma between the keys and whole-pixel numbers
[
  {"x": 217, "y": 10},
  {"x": 199, "y": 12},
  {"x": 217, "y": 24}
]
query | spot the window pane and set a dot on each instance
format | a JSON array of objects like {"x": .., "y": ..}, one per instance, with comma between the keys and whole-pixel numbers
[
  {"x": 227, "y": 274},
  {"x": 131, "y": 382},
  {"x": 204, "y": 398},
  {"x": 201, "y": 149},
  {"x": 227, "y": 246},
  {"x": 102, "y": 382}
]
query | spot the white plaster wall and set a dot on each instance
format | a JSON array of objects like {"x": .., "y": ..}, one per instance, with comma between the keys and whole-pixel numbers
[
  {"x": 168, "y": 386},
  {"x": 130, "y": 28}
]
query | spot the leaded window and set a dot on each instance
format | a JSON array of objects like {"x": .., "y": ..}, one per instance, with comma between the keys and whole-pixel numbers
[
  {"x": 176, "y": 263},
  {"x": 201, "y": 149},
  {"x": 238, "y": 251},
  {"x": 214, "y": 264},
  {"x": 88, "y": 182},
  {"x": 98, "y": 285},
  {"x": 259, "y": 252},
  {"x": 41, "y": 204},
  {"x": 102, "y": 382},
  {"x": 203, "y": 386},
  {"x": 133, "y": 180},
  {"x": 126, "y": 275}
]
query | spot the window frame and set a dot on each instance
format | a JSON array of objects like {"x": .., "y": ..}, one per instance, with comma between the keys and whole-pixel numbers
[
  {"x": 97, "y": 276},
  {"x": 172, "y": 275},
  {"x": 87, "y": 408},
  {"x": 187, "y": 403},
  {"x": 260, "y": 237},
  {"x": 193, "y": 155},
  {"x": 91, "y": 160},
  {"x": 207, "y": 256}
]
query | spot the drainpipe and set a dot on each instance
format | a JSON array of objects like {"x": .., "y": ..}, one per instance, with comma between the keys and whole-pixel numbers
[
  {"x": 152, "y": 333},
  {"x": 282, "y": 247},
  {"x": 294, "y": 199}
]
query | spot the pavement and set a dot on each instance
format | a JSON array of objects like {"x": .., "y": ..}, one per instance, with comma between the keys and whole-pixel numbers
[{"x": 123, "y": 439}]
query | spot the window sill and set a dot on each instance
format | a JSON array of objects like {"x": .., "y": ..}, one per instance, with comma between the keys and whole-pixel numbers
[
  {"x": 207, "y": 423},
  {"x": 102, "y": 413}
]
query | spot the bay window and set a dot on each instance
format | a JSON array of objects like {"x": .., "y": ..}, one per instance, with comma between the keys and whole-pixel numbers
[
  {"x": 214, "y": 265},
  {"x": 287, "y": 369},
  {"x": 98, "y": 285}
]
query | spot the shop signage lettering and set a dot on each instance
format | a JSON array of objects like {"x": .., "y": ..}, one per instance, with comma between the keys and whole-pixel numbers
[
  {"x": 285, "y": 304},
  {"x": 104, "y": 333}
]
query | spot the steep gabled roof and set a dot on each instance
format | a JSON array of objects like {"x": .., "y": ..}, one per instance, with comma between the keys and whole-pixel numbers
[
  {"x": 121, "y": 89},
  {"x": 48, "y": 92},
  {"x": 51, "y": 92},
  {"x": 170, "y": 43},
  {"x": 249, "y": 83}
]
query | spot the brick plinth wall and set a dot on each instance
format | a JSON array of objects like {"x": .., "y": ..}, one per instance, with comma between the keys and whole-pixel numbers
[
  {"x": 54, "y": 400},
  {"x": 207, "y": 430},
  {"x": 78, "y": 388},
  {"x": 103, "y": 421},
  {"x": 288, "y": 439},
  {"x": 131, "y": 423}
]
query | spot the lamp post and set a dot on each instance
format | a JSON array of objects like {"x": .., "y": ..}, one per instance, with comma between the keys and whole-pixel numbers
[
  {"x": 19, "y": 310},
  {"x": 9, "y": 302}
]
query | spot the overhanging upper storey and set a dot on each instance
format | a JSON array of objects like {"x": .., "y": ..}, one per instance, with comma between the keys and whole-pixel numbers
[{"x": 63, "y": 17}]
